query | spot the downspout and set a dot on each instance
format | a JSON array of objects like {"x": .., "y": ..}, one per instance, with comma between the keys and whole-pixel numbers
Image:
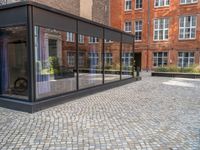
[{"x": 148, "y": 35}]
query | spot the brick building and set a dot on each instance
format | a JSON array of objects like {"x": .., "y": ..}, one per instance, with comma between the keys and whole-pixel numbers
[
  {"x": 96, "y": 10},
  {"x": 167, "y": 31}
]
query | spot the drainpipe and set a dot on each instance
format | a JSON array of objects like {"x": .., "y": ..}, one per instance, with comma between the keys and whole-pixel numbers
[{"x": 148, "y": 35}]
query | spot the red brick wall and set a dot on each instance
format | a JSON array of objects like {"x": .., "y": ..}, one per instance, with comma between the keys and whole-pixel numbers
[{"x": 173, "y": 44}]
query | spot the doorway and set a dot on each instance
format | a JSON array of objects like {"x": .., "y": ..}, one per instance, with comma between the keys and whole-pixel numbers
[{"x": 138, "y": 61}]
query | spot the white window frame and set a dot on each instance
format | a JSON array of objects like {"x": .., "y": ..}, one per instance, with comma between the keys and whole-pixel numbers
[
  {"x": 138, "y": 29},
  {"x": 126, "y": 27},
  {"x": 141, "y": 1},
  {"x": 81, "y": 38},
  {"x": 71, "y": 56},
  {"x": 186, "y": 2},
  {"x": 108, "y": 58},
  {"x": 189, "y": 59},
  {"x": 70, "y": 37},
  {"x": 93, "y": 56},
  {"x": 164, "y": 29},
  {"x": 129, "y": 57},
  {"x": 93, "y": 40},
  {"x": 184, "y": 28},
  {"x": 159, "y": 3},
  {"x": 163, "y": 57},
  {"x": 81, "y": 58},
  {"x": 127, "y": 5}
]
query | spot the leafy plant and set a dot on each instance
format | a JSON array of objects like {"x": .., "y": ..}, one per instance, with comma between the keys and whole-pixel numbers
[{"x": 191, "y": 69}]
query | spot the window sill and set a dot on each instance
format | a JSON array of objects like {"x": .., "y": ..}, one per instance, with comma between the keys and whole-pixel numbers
[
  {"x": 138, "y": 41},
  {"x": 128, "y": 11},
  {"x": 160, "y": 41},
  {"x": 182, "y": 40},
  {"x": 161, "y": 7},
  {"x": 189, "y": 4}
]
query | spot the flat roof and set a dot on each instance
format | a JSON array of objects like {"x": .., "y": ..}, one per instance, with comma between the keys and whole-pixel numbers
[{"x": 60, "y": 12}]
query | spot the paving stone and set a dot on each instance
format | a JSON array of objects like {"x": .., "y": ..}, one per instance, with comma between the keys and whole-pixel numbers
[{"x": 152, "y": 114}]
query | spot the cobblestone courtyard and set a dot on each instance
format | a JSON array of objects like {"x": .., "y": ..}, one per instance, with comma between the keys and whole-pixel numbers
[{"x": 152, "y": 114}]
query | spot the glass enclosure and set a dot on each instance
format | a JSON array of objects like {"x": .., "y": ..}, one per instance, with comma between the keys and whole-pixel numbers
[
  {"x": 55, "y": 53},
  {"x": 46, "y": 53},
  {"x": 112, "y": 61},
  {"x": 127, "y": 60},
  {"x": 14, "y": 62},
  {"x": 90, "y": 62}
]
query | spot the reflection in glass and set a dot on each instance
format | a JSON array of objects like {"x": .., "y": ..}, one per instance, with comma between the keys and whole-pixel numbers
[
  {"x": 55, "y": 53},
  {"x": 127, "y": 60},
  {"x": 90, "y": 62},
  {"x": 112, "y": 61},
  {"x": 14, "y": 63}
]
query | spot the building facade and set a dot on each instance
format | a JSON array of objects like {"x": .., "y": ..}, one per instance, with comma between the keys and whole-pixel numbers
[
  {"x": 167, "y": 31},
  {"x": 96, "y": 10}
]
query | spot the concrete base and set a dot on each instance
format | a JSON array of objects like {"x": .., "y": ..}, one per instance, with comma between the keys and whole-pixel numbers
[{"x": 172, "y": 74}]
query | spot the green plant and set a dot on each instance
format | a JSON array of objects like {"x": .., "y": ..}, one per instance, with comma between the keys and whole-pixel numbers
[
  {"x": 54, "y": 65},
  {"x": 191, "y": 69}
]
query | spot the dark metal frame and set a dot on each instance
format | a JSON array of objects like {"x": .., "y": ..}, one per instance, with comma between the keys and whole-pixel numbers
[{"x": 30, "y": 24}]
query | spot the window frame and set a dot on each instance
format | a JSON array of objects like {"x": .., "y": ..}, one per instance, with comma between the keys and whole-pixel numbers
[
  {"x": 93, "y": 40},
  {"x": 184, "y": 28},
  {"x": 141, "y": 3},
  {"x": 70, "y": 37},
  {"x": 126, "y": 2},
  {"x": 183, "y": 58},
  {"x": 140, "y": 30},
  {"x": 162, "y": 57},
  {"x": 158, "y": 29},
  {"x": 130, "y": 58},
  {"x": 81, "y": 39},
  {"x": 185, "y": 3},
  {"x": 125, "y": 26},
  {"x": 159, "y": 6},
  {"x": 108, "y": 57}
]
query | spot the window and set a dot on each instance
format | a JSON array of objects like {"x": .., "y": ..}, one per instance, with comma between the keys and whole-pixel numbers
[
  {"x": 160, "y": 59},
  {"x": 108, "y": 59},
  {"x": 185, "y": 59},
  {"x": 128, "y": 5},
  {"x": 81, "y": 39},
  {"x": 81, "y": 61},
  {"x": 161, "y": 28},
  {"x": 93, "y": 58},
  {"x": 188, "y": 1},
  {"x": 161, "y": 3},
  {"x": 71, "y": 58},
  {"x": 14, "y": 62},
  {"x": 93, "y": 40},
  {"x": 127, "y": 59},
  {"x": 108, "y": 41},
  {"x": 138, "y": 30},
  {"x": 138, "y": 4},
  {"x": 128, "y": 26},
  {"x": 70, "y": 37},
  {"x": 187, "y": 29}
]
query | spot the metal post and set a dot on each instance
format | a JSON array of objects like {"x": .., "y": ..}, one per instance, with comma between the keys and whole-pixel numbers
[
  {"x": 77, "y": 57},
  {"x": 121, "y": 58},
  {"x": 103, "y": 55},
  {"x": 31, "y": 56}
]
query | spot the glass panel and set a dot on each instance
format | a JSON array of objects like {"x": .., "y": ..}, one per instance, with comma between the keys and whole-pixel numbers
[
  {"x": 14, "y": 62},
  {"x": 112, "y": 72},
  {"x": 127, "y": 60},
  {"x": 90, "y": 72},
  {"x": 55, "y": 62}
]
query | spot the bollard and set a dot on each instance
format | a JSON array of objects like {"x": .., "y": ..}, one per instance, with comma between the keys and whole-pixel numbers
[{"x": 138, "y": 71}]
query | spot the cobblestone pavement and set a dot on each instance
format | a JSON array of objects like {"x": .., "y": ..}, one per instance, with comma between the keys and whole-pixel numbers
[{"x": 152, "y": 114}]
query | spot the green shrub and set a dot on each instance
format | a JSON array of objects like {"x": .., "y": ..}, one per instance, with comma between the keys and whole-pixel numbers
[{"x": 191, "y": 69}]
